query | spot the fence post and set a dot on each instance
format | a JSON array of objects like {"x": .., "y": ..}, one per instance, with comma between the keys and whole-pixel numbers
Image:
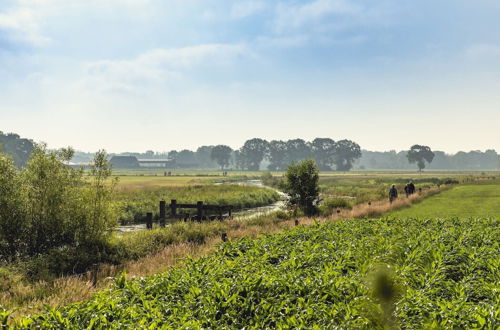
[
  {"x": 230, "y": 215},
  {"x": 95, "y": 270},
  {"x": 199, "y": 207},
  {"x": 149, "y": 220},
  {"x": 162, "y": 213},
  {"x": 173, "y": 207}
]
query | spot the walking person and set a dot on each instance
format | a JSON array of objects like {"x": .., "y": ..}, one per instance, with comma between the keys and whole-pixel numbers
[
  {"x": 411, "y": 188},
  {"x": 407, "y": 190},
  {"x": 393, "y": 193}
]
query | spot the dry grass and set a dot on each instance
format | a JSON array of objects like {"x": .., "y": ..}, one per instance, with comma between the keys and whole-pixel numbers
[{"x": 68, "y": 290}]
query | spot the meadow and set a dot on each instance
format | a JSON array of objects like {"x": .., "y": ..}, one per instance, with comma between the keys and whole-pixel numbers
[
  {"x": 466, "y": 201},
  {"x": 377, "y": 273},
  {"x": 133, "y": 203}
]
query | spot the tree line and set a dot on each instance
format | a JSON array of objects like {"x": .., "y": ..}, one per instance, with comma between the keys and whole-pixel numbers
[
  {"x": 256, "y": 153},
  {"x": 394, "y": 160},
  {"x": 277, "y": 155}
]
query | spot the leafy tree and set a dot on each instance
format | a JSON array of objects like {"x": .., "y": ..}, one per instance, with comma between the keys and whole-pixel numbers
[
  {"x": 346, "y": 152},
  {"x": 297, "y": 150},
  {"x": 420, "y": 154},
  {"x": 18, "y": 148},
  {"x": 277, "y": 155},
  {"x": 253, "y": 152},
  {"x": 323, "y": 152},
  {"x": 204, "y": 157},
  {"x": 238, "y": 160},
  {"x": 172, "y": 155},
  {"x": 97, "y": 215},
  {"x": 186, "y": 157},
  {"x": 13, "y": 227},
  {"x": 50, "y": 206},
  {"x": 222, "y": 155},
  {"x": 302, "y": 186}
]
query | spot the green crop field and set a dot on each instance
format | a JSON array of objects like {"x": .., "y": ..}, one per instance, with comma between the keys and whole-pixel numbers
[
  {"x": 409, "y": 273},
  {"x": 482, "y": 200}
]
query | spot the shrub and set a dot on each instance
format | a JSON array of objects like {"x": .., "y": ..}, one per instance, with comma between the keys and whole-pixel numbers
[
  {"x": 302, "y": 186},
  {"x": 50, "y": 208}
]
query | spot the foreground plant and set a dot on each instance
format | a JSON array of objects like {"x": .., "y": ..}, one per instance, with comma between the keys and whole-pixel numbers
[{"x": 409, "y": 273}]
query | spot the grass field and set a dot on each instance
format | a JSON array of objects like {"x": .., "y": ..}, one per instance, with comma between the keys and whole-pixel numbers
[{"x": 482, "y": 200}]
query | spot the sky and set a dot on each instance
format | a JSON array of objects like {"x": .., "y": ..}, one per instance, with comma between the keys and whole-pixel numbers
[{"x": 133, "y": 75}]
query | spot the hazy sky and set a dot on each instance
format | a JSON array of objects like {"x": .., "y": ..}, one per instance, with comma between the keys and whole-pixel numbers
[{"x": 131, "y": 75}]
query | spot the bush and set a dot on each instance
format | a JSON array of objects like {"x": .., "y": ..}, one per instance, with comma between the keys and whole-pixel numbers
[
  {"x": 49, "y": 207},
  {"x": 302, "y": 186}
]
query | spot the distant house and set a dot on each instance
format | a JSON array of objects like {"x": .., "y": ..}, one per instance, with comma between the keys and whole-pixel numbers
[{"x": 124, "y": 162}]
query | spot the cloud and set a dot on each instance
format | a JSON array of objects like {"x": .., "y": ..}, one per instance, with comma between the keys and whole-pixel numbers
[
  {"x": 296, "y": 16},
  {"x": 22, "y": 24},
  {"x": 161, "y": 65},
  {"x": 25, "y": 21},
  {"x": 246, "y": 8}
]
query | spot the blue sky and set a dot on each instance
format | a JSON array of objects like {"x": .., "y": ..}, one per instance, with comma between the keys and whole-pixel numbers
[{"x": 172, "y": 74}]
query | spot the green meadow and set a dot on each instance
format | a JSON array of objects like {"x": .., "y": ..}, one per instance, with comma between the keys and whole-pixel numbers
[{"x": 479, "y": 200}]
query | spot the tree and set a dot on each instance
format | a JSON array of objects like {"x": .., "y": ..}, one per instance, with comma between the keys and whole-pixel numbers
[
  {"x": 297, "y": 150},
  {"x": 323, "y": 152},
  {"x": 346, "y": 152},
  {"x": 253, "y": 152},
  {"x": 302, "y": 186},
  {"x": 49, "y": 206},
  {"x": 204, "y": 157},
  {"x": 420, "y": 154},
  {"x": 277, "y": 155},
  {"x": 18, "y": 148},
  {"x": 222, "y": 155},
  {"x": 13, "y": 226}
]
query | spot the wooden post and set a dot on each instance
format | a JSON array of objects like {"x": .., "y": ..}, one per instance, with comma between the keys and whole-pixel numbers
[
  {"x": 230, "y": 216},
  {"x": 149, "y": 220},
  {"x": 173, "y": 207},
  {"x": 95, "y": 270},
  {"x": 162, "y": 213},
  {"x": 199, "y": 207},
  {"x": 220, "y": 213}
]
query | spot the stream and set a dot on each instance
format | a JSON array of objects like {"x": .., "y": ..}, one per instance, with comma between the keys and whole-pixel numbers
[{"x": 240, "y": 215}]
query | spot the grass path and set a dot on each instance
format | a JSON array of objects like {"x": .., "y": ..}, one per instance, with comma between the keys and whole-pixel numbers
[{"x": 461, "y": 202}]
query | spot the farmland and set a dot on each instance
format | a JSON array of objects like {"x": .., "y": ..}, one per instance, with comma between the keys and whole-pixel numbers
[
  {"x": 148, "y": 252},
  {"x": 354, "y": 273}
]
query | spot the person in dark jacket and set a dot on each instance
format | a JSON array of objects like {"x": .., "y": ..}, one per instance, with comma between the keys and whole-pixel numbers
[
  {"x": 411, "y": 188},
  {"x": 393, "y": 193}
]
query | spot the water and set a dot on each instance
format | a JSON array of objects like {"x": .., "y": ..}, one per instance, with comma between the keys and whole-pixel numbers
[{"x": 241, "y": 215}]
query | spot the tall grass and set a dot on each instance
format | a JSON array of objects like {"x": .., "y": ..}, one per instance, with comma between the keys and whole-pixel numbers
[{"x": 134, "y": 204}]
